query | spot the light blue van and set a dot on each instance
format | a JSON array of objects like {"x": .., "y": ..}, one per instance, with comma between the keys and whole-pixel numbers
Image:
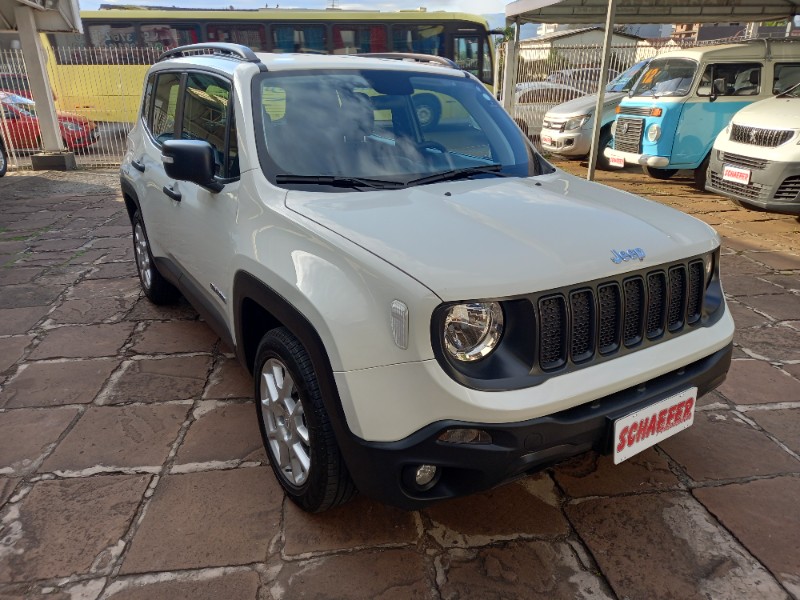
[{"x": 685, "y": 98}]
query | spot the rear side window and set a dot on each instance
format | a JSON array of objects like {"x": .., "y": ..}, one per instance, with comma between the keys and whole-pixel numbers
[
  {"x": 731, "y": 79},
  {"x": 165, "y": 106}
]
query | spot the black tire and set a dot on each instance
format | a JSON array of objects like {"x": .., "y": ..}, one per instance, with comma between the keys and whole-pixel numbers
[
  {"x": 700, "y": 173},
  {"x": 658, "y": 173},
  {"x": 605, "y": 142},
  {"x": 3, "y": 160},
  {"x": 299, "y": 434},
  {"x": 429, "y": 110},
  {"x": 156, "y": 288}
]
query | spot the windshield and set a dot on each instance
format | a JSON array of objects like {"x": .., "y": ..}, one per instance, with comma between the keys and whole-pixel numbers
[
  {"x": 666, "y": 77},
  {"x": 384, "y": 128},
  {"x": 624, "y": 81}
]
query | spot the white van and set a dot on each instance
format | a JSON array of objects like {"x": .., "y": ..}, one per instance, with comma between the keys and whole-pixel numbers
[{"x": 685, "y": 98}]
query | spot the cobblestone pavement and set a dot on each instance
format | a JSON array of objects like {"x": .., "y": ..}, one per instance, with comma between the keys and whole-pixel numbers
[{"x": 131, "y": 465}]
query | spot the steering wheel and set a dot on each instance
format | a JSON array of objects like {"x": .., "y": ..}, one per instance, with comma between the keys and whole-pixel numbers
[{"x": 432, "y": 145}]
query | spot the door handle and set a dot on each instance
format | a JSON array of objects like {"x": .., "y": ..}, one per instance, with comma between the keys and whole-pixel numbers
[
  {"x": 138, "y": 166},
  {"x": 172, "y": 193}
]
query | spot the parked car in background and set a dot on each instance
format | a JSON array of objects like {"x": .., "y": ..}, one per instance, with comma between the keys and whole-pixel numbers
[
  {"x": 3, "y": 156},
  {"x": 21, "y": 126},
  {"x": 15, "y": 83},
  {"x": 756, "y": 158},
  {"x": 533, "y": 99},
  {"x": 567, "y": 128},
  {"x": 685, "y": 98},
  {"x": 585, "y": 79}
]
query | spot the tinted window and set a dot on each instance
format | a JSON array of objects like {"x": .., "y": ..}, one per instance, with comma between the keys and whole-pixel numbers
[
  {"x": 425, "y": 39},
  {"x": 165, "y": 104},
  {"x": 299, "y": 38},
  {"x": 253, "y": 36},
  {"x": 205, "y": 114},
  {"x": 163, "y": 36},
  {"x": 358, "y": 39}
]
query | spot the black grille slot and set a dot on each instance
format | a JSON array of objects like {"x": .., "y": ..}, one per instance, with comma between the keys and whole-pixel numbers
[
  {"x": 695, "y": 299},
  {"x": 582, "y": 310},
  {"x": 552, "y": 332},
  {"x": 628, "y": 135},
  {"x": 677, "y": 298},
  {"x": 656, "y": 304},
  {"x": 634, "y": 311},
  {"x": 610, "y": 311},
  {"x": 756, "y": 136},
  {"x": 750, "y": 162},
  {"x": 789, "y": 189}
]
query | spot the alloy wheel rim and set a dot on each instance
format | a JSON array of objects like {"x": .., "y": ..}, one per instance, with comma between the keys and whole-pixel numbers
[
  {"x": 142, "y": 256},
  {"x": 285, "y": 422}
]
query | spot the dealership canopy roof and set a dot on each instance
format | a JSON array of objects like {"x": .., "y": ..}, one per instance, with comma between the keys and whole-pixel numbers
[
  {"x": 50, "y": 15},
  {"x": 650, "y": 11}
]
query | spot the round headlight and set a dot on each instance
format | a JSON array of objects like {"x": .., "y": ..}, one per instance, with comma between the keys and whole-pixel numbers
[
  {"x": 472, "y": 331},
  {"x": 654, "y": 132},
  {"x": 614, "y": 128}
]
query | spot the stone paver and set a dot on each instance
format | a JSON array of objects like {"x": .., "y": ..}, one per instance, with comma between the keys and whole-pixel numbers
[
  {"x": 678, "y": 550},
  {"x": 56, "y": 383},
  {"x": 46, "y": 542},
  {"x": 159, "y": 380},
  {"x": 153, "y": 482},
  {"x": 115, "y": 438},
  {"x": 721, "y": 446},
  {"x": 26, "y": 434},
  {"x": 758, "y": 382},
  {"x": 222, "y": 434},
  {"x": 83, "y": 341},
  {"x": 175, "y": 336},
  {"x": 209, "y": 519},
  {"x": 762, "y": 515}
]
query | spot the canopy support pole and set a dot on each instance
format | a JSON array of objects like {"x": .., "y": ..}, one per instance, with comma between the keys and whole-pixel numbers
[
  {"x": 601, "y": 91},
  {"x": 510, "y": 70}
]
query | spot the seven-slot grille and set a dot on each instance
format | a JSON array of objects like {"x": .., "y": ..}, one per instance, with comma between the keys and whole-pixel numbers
[
  {"x": 628, "y": 135},
  {"x": 751, "y": 190},
  {"x": 602, "y": 319},
  {"x": 760, "y": 137}
]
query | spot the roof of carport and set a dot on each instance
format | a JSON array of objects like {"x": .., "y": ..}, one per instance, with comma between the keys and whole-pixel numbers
[{"x": 650, "y": 11}]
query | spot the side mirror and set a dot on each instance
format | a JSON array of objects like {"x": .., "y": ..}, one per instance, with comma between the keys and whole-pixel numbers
[{"x": 191, "y": 160}]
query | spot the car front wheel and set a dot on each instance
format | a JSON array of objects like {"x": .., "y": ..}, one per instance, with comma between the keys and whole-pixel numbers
[
  {"x": 295, "y": 426},
  {"x": 657, "y": 173},
  {"x": 3, "y": 160},
  {"x": 156, "y": 288}
]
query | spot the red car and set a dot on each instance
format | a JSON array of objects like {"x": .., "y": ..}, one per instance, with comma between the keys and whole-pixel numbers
[{"x": 20, "y": 126}]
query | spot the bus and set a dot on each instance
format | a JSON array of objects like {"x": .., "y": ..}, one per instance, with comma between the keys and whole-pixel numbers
[{"x": 99, "y": 74}]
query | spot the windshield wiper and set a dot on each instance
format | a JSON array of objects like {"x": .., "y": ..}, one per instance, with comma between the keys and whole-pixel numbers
[
  {"x": 458, "y": 174},
  {"x": 339, "y": 181}
]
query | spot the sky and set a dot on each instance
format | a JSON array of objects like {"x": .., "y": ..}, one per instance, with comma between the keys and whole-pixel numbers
[{"x": 480, "y": 7}]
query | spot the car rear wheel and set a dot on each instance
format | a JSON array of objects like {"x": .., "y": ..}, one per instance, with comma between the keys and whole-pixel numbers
[
  {"x": 295, "y": 427},
  {"x": 3, "y": 160},
  {"x": 700, "y": 174},
  {"x": 429, "y": 110},
  {"x": 156, "y": 288},
  {"x": 656, "y": 173}
]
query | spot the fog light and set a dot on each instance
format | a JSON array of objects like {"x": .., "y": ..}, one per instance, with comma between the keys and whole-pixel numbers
[
  {"x": 424, "y": 475},
  {"x": 465, "y": 436}
]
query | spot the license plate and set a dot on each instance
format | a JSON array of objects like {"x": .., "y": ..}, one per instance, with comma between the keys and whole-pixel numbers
[
  {"x": 616, "y": 161},
  {"x": 735, "y": 174},
  {"x": 546, "y": 139},
  {"x": 648, "y": 426}
]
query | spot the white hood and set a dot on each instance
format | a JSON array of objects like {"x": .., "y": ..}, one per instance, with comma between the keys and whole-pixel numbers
[
  {"x": 585, "y": 105},
  {"x": 499, "y": 237},
  {"x": 772, "y": 113}
]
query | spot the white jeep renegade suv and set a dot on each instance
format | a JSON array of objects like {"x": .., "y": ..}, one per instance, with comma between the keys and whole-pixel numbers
[{"x": 427, "y": 312}]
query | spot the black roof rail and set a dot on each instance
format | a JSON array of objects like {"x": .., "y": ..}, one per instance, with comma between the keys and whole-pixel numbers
[
  {"x": 237, "y": 51},
  {"x": 414, "y": 57}
]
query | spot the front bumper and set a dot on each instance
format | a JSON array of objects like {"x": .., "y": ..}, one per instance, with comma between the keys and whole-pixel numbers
[
  {"x": 630, "y": 158},
  {"x": 775, "y": 187},
  {"x": 384, "y": 470},
  {"x": 576, "y": 142}
]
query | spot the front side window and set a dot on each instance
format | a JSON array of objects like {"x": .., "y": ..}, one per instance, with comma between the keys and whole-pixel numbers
[
  {"x": 366, "y": 124},
  {"x": 730, "y": 79},
  {"x": 165, "y": 106},
  {"x": 299, "y": 38},
  {"x": 420, "y": 39},
  {"x": 467, "y": 53},
  {"x": 205, "y": 115},
  {"x": 666, "y": 77}
]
